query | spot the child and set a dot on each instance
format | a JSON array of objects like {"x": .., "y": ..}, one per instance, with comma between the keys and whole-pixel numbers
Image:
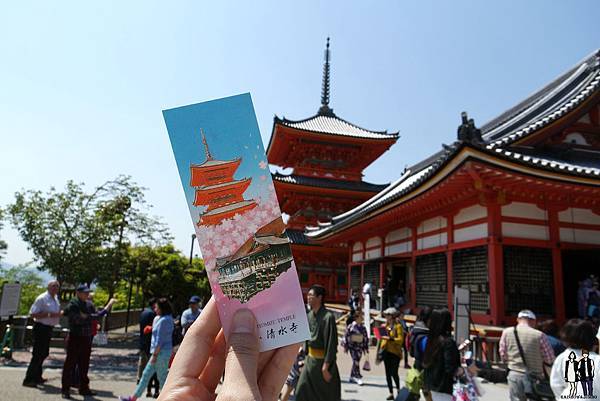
[{"x": 357, "y": 342}]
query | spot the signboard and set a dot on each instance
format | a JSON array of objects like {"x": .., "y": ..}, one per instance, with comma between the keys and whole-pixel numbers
[
  {"x": 462, "y": 314},
  {"x": 11, "y": 296},
  {"x": 236, "y": 216}
]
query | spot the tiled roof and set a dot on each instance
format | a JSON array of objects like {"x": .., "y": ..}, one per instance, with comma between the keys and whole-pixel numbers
[
  {"x": 546, "y": 105},
  {"x": 296, "y": 237},
  {"x": 223, "y": 184},
  {"x": 214, "y": 163},
  {"x": 331, "y": 124},
  {"x": 329, "y": 183},
  {"x": 412, "y": 179},
  {"x": 227, "y": 208}
]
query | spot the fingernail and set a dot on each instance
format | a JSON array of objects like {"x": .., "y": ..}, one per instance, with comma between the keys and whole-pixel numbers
[{"x": 243, "y": 322}]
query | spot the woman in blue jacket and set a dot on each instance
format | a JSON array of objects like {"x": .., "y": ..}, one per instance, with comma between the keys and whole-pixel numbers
[{"x": 161, "y": 347}]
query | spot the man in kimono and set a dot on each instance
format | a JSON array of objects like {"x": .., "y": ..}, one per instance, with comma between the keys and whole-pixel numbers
[{"x": 320, "y": 379}]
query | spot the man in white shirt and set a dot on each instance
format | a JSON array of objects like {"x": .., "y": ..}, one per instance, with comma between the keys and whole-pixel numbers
[{"x": 45, "y": 311}]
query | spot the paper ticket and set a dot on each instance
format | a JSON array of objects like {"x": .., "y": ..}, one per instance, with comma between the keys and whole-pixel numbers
[{"x": 231, "y": 198}]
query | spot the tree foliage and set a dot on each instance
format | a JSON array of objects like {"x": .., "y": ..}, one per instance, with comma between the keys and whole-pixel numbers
[
  {"x": 81, "y": 236},
  {"x": 164, "y": 272},
  {"x": 3, "y": 244},
  {"x": 32, "y": 284},
  {"x": 125, "y": 221}
]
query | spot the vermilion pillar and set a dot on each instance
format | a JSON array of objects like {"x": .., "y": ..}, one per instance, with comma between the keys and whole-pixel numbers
[
  {"x": 413, "y": 267},
  {"x": 559, "y": 295},
  {"x": 449, "y": 267},
  {"x": 350, "y": 262},
  {"x": 495, "y": 262}
]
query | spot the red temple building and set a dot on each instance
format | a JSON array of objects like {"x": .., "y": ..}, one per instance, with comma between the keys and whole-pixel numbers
[
  {"x": 510, "y": 211},
  {"x": 328, "y": 156},
  {"x": 217, "y": 189}
]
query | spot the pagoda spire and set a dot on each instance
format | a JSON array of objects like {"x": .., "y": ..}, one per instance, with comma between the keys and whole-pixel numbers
[
  {"x": 325, "y": 110},
  {"x": 206, "y": 149}
]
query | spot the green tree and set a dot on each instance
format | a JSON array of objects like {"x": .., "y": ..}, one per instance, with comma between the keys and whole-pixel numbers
[
  {"x": 3, "y": 244},
  {"x": 32, "y": 284},
  {"x": 125, "y": 220},
  {"x": 59, "y": 227},
  {"x": 79, "y": 236},
  {"x": 165, "y": 272}
]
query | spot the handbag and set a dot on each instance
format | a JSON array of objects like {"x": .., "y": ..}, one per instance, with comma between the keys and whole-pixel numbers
[
  {"x": 540, "y": 386},
  {"x": 367, "y": 365},
  {"x": 378, "y": 353},
  {"x": 414, "y": 380},
  {"x": 101, "y": 338}
]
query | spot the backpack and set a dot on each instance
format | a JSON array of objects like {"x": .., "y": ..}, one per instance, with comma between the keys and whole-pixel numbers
[{"x": 417, "y": 345}]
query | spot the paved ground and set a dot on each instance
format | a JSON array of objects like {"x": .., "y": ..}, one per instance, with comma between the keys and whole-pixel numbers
[{"x": 112, "y": 373}]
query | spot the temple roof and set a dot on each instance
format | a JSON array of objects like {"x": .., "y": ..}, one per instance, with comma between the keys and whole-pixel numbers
[
  {"x": 212, "y": 162},
  {"x": 546, "y": 105},
  {"x": 550, "y": 103},
  {"x": 223, "y": 184},
  {"x": 229, "y": 207},
  {"x": 332, "y": 124},
  {"x": 271, "y": 240},
  {"x": 297, "y": 237},
  {"x": 327, "y": 122},
  {"x": 361, "y": 186}
]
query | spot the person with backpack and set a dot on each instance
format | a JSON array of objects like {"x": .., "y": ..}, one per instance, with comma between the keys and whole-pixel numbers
[
  {"x": 418, "y": 336},
  {"x": 441, "y": 358}
]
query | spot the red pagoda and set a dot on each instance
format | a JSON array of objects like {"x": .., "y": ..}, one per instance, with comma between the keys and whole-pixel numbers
[
  {"x": 328, "y": 156},
  {"x": 217, "y": 189}
]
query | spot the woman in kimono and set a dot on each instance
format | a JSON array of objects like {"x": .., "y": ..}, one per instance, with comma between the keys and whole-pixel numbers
[{"x": 356, "y": 342}]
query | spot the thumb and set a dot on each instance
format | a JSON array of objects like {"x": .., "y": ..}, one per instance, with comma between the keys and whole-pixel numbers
[{"x": 242, "y": 359}]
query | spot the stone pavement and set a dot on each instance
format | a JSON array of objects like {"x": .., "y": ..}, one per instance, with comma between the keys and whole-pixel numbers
[{"x": 112, "y": 373}]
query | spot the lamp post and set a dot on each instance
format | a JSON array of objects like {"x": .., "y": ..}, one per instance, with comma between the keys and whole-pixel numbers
[{"x": 192, "y": 249}]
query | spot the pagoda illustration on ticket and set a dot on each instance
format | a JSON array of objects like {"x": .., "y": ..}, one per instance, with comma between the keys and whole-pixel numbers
[
  {"x": 257, "y": 263},
  {"x": 216, "y": 188}
]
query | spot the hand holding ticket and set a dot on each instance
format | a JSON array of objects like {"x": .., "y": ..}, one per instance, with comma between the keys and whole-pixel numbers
[
  {"x": 249, "y": 375},
  {"x": 236, "y": 216}
]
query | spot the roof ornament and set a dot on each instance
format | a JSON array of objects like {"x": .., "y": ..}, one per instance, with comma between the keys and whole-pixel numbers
[
  {"x": 325, "y": 110},
  {"x": 206, "y": 149},
  {"x": 468, "y": 132}
]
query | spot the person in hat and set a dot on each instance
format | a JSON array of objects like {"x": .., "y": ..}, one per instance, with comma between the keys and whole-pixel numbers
[
  {"x": 536, "y": 349},
  {"x": 189, "y": 316},
  {"x": 81, "y": 315},
  {"x": 391, "y": 349}
]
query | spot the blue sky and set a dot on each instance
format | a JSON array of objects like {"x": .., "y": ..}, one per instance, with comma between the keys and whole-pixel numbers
[{"x": 82, "y": 84}]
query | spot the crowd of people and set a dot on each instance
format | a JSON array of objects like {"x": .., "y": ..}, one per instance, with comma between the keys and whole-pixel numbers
[
  {"x": 83, "y": 320},
  {"x": 159, "y": 334},
  {"x": 588, "y": 298},
  {"x": 543, "y": 360}
]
